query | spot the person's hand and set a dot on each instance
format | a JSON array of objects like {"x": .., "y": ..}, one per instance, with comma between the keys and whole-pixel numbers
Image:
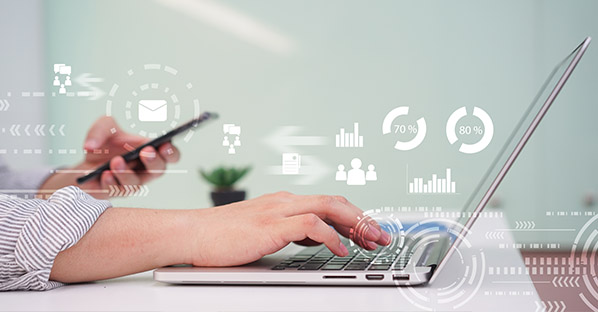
[
  {"x": 105, "y": 136},
  {"x": 105, "y": 141},
  {"x": 243, "y": 232},
  {"x": 130, "y": 240}
]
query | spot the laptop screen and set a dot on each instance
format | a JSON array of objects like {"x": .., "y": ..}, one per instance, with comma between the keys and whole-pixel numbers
[{"x": 516, "y": 140}]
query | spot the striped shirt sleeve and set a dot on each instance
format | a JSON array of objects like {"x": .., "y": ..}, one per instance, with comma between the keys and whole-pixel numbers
[{"x": 34, "y": 231}]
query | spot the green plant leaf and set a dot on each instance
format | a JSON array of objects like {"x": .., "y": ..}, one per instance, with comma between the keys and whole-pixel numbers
[{"x": 224, "y": 177}]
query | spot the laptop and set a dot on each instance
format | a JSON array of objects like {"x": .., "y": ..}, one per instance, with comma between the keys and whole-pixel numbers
[{"x": 417, "y": 261}]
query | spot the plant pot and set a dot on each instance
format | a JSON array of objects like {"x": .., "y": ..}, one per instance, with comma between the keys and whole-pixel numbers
[{"x": 220, "y": 198}]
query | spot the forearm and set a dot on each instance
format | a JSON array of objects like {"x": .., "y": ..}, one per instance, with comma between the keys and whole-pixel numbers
[{"x": 125, "y": 241}]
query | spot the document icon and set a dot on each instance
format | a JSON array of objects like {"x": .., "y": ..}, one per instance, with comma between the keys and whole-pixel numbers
[
  {"x": 291, "y": 162},
  {"x": 153, "y": 110}
]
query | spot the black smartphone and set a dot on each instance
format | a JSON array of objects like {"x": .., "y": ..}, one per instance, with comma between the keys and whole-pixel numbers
[{"x": 134, "y": 154}]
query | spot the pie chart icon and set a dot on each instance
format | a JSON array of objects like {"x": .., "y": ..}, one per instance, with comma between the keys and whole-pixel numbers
[{"x": 420, "y": 131}]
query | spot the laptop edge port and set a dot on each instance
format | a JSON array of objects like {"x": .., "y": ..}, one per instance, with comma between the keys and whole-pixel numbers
[
  {"x": 338, "y": 276},
  {"x": 400, "y": 277},
  {"x": 374, "y": 277}
]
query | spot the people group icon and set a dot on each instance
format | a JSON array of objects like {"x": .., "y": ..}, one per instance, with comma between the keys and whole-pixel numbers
[
  {"x": 225, "y": 141},
  {"x": 341, "y": 174},
  {"x": 356, "y": 175},
  {"x": 231, "y": 146},
  {"x": 61, "y": 70},
  {"x": 371, "y": 175}
]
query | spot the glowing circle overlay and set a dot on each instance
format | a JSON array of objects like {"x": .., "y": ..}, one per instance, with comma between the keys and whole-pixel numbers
[
  {"x": 456, "y": 293},
  {"x": 388, "y": 222},
  {"x": 583, "y": 255},
  {"x": 131, "y": 97}
]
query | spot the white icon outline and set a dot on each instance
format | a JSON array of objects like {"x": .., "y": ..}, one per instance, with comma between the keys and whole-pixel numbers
[
  {"x": 356, "y": 175},
  {"x": 62, "y": 70},
  {"x": 465, "y": 148},
  {"x": 232, "y": 130},
  {"x": 419, "y": 136},
  {"x": 349, "y": 139},
  {"x": 291, "y": 163},
  {"x": 152, "y": 110}
]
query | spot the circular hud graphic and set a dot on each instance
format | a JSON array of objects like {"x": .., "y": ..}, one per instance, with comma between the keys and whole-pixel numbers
[
  {"x": 453, "y": 289},
  {"x": 153, "y": 101},
  {"x": 389, "y": 223},
  {"x": 583, "y": 262}
]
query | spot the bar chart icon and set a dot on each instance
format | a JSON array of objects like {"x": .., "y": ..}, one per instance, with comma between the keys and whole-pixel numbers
[
  {"x": 435, "y": 185},
  {"x": 349, "y": 139}
]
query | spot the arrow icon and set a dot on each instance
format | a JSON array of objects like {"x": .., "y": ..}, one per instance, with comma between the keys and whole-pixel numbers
[
  {"x": 14, "y": 130},
  {"x": 85, "y": 80},
  {"x": 4, "y": 105},
  {"x": 285, "y": 139},
  {"x": 495, "y": 235},
  {"x": 550, "y": 306},
  {"x": 525, "y": 225},
  {"x": 38, "y": 130},
  {"x": 128, "y": 190},
  {"x": 285, "y": 136}
]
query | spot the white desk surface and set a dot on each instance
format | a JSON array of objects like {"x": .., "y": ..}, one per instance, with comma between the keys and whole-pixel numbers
[{"x": 140, "y": 292}]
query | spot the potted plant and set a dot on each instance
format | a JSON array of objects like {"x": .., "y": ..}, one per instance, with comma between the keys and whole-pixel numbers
[{"x": 223, "y": 180}]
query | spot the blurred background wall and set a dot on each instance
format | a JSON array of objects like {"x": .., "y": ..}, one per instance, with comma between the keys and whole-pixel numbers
[
  {"x": 22, "y": 68},
  {"x": 321, "y": 66}
]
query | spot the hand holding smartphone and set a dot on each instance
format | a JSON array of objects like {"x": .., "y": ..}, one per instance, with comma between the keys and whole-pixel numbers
[{"x": 134, "y": 154}]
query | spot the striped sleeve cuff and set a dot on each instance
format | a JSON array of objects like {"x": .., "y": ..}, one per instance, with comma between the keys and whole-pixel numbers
[{"x": 51, "y": 226}]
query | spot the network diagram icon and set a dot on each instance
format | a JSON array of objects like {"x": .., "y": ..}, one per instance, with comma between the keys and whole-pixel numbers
[
  {"x": 234, "y": 131},
  {"x": 62, "y": 70}
]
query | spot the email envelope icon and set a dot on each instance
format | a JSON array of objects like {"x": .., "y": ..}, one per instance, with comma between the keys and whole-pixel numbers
[{"x": 153, "y": 110}]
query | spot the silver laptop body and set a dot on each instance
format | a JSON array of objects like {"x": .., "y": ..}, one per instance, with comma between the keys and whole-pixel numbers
[{"x": 416, "y": 262}]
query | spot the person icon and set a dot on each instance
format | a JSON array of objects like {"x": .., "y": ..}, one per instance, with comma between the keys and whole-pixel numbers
[
  {"x": 68, "y": 81},
  {"x": 356, "y": 176},
  {"x": 62, "y": 89},
  {"x": 341, "y": 174},
  {"x": 231, "y": 149},
  {"x": 237, "y": 141},
  {"x": 56, "y": 81},
  {"x": 371, "y": 175},
  {"x": 225, "y": 141}
]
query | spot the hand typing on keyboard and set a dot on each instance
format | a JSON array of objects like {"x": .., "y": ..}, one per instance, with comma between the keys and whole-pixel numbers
[
  {"x": 243, "y": 232},
  {"x": 129, "y": 240}
]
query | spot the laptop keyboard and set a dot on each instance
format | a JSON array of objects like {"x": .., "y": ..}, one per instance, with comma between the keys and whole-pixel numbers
[{"x": 324, "y": 259}]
